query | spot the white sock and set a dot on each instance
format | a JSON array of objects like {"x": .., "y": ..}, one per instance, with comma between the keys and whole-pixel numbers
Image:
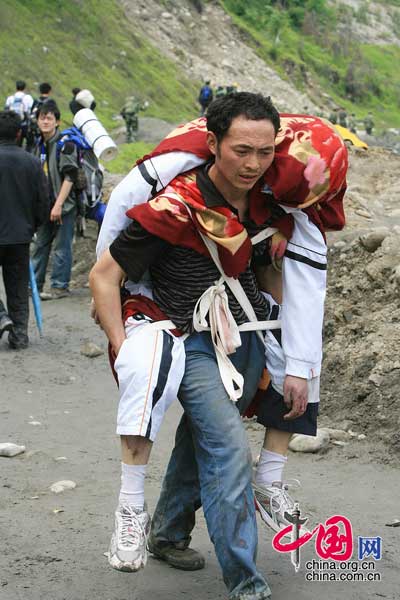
[
  {"x": 132, "y": 485},
  {"x": 270, "y": 467}
]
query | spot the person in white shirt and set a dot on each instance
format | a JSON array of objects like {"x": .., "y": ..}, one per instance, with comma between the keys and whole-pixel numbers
[{"x": 21, "y": 103}]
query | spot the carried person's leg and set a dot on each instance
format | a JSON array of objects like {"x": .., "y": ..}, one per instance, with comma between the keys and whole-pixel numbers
[
  {"x": 149, "y": 367},
  {"x": 16, "y": 283}
]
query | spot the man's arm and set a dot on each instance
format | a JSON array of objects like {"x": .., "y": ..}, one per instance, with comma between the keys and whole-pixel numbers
[
  {"x": 105, "y": 282},
  {"x": 41, "y": 201},
  {"x": 65, "y": 190}
]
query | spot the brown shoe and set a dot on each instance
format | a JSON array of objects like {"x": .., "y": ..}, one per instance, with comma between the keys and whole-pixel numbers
[{"x": 176, "y": 554}]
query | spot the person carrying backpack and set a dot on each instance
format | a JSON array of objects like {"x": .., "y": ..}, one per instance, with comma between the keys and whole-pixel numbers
[
  {"x": 20, "y": 103},
  {"x": 89, "y": 181},
  {"x": 58, "y": 230},
  {"x": 205, "y": 97}
]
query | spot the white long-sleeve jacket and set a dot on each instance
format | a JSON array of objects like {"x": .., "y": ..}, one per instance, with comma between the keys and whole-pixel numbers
[{"x": 304, "y": 264}]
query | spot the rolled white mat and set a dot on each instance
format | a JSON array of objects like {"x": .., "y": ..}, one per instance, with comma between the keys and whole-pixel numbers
[{"x": 94, "y": 132}]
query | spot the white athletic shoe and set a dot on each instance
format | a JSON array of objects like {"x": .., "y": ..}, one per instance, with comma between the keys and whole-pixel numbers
[
  {"x": 273, "y": 503},
  {"x": 128, "y": 546}
]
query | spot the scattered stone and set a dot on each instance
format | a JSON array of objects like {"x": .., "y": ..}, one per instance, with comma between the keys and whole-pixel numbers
[
  {"x": 167, "y": 15},
  {"x": 306, "y": 443},
  {"x": 9, "y": 449},
  {"x": 348, "y": 316},
  {"x": 61, "y": 486},
  {"x": 363, "y": 213},
  {"x": 373, "y": 240},
  {"x": 60, "y": 458},
  {"x": 361, "y": 437},
  {"x": 58, "y": 510},
  {"x": 339, "y": 443},
  {"x": 91, "y": 350},
  {"x": 337, "y": 434},
  {"x": 34, "y": 497},
  {"x": 340, "y": 245},
  {"x": 345, "y": 425},
  {"x": 35, "y": 423},
  {"x": 396, "y": 276},
  {"x": 376, "y": 379},
  {"x": 394, "y": 523}
]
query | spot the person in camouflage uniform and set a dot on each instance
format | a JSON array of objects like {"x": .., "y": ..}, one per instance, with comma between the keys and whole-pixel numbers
[
  {"x": 369, "y": 123},
  {"x": 220, "y": 91},
  {"x": 353, "y": 123},
  {"x": 129, "y": 113},
  {"x": 333, "y": 116},
  {"x": 342, "y": 117}
]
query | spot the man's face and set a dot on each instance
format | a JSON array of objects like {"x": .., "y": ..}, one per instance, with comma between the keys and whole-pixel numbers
[
  {"x": 47, "y": 124},
  {"x": 243, "y": 155}
]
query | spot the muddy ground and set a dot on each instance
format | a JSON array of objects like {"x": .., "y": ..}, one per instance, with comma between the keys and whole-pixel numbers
[{"x": 52, "y": 545}]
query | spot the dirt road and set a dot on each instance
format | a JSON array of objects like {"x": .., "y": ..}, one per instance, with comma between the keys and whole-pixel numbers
[{"x": 52, "y": 545}]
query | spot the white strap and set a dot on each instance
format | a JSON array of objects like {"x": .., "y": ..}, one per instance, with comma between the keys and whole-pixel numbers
[
  {"x": 263, "y": 235},
  {"x": 162, "y": 325},
  {"x": 225, "y": 333}
]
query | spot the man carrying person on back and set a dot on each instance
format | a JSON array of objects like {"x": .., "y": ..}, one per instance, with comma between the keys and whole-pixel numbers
[
  {"x": 311, "y": 185},
  {"x": 61, "y": 169},
  {"x": 221, "y": 203},
  {"x": 23, "y": 208}
]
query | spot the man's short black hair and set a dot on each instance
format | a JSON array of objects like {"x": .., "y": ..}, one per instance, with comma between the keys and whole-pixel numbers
[
  {"x": 20, "y": 85},
  {"x": 255, "y": 107},
  {"x": 49, "y": 106},
  {"x": 45, "y": 88},
  {"x": 75, "y": 91},
  {"x": 10, "y": 125}
]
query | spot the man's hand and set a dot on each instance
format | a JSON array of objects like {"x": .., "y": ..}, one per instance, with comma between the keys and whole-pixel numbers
[
  {"x": 295, "y": 395},
  {"x": 56, "y": 213}
]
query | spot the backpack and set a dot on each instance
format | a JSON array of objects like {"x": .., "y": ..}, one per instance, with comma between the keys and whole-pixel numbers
[
  {"x": 17, "y": 105},
  {"x": 205, "y": 94},
  {"x": 89, "y": 182}
]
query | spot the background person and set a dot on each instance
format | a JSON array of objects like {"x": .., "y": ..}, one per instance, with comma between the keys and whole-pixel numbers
[
  {"x": 61, "y": 169},
  {"x": 21, "y": 103},
  {"x": 23, "y": 207}
]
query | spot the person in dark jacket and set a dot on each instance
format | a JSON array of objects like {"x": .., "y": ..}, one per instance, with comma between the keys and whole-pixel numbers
[{"x": 23, "y": 208}]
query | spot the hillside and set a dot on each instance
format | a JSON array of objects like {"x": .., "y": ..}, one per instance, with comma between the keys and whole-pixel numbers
[
  {"x": 339, "y": 52},
  {"x": 305, "y": 54},
  {"x": 87, "y": 43}
]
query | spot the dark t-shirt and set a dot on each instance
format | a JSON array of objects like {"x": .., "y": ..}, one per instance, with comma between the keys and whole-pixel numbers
[{"x": 181, "y": 275}]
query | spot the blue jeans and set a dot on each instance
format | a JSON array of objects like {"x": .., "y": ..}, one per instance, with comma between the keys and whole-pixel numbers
[
  {"x": 62, "y": 236},
  {"x": 211, "y": 466}
]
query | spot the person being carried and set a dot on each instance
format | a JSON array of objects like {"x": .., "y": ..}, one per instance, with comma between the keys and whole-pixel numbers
[
  {"x": 214, "y": 209},
  {"x": 61, "y": 171},
  {"x": 23, "y": 208}
]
